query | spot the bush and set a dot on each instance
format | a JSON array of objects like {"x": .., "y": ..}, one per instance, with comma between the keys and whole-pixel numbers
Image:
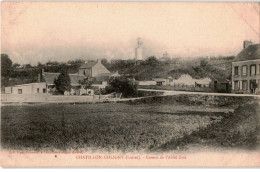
[
  {"x": 62, "y": 83},
  {"x": 122, "y": 85}
]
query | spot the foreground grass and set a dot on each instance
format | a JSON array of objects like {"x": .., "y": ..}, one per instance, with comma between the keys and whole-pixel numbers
[
  {"x": 240, "y": 129},
  {"x": 110, "y": 126},
  {"x": 142, "y": 126}
]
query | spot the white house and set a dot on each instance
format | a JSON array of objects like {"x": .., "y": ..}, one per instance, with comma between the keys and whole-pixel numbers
[
  {"x": 187, "y": 80},
  {"x": 31, "y": 88},
  {"x": 146, "y": 82}
]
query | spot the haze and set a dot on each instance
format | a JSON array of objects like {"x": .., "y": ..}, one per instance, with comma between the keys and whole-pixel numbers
[{"x": 34, "y": 32}]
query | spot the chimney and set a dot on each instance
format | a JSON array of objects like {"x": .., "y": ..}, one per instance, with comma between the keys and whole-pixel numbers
[
  {"x": 247, "y": 43},
  {"x": 40, "y": 75}
]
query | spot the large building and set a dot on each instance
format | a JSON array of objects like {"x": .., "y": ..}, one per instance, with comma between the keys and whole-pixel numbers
[{"x": 246, "y": 70}]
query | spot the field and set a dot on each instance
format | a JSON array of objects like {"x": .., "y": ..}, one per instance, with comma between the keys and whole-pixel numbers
[{"x": 132, "y": 126}]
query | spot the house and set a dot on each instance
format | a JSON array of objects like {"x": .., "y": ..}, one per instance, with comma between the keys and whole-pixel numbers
[
  {"x": 31, "y": 88},
  {"x": 97, "y": 72},
  {"x": 146, "y": 82},
  {"x": 220, "y": 85},
  {"x": 246, "y": 70},
  {"x": 106, "y": 76},
  {"x": 187, "y": 80},
  {"x": 161, "y": 81},
  {"x": 49, "y": 79},
  {"x": 93, "y": 69}
]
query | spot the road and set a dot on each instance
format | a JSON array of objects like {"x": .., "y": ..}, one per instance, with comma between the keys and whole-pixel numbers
[{"x": 172, "y": 92}]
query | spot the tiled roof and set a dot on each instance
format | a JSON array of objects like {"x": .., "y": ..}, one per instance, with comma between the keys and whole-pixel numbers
[
  {"x": 104, "y": 74},
  {"x": 108, "y": 74},
  {"x": 74, "y": 79},
  {"x": 159, "y": 79},
  {"x": 252, "y": 52},
  {"x": 50, "y": 77},
  {"x": 88, "y": 65}
]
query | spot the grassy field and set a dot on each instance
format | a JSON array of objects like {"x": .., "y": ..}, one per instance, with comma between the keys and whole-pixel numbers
[{"x": 126, "y": 127}]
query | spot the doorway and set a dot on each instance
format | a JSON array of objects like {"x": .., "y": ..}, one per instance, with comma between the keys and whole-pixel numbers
[{"x": 253, "y": 86}]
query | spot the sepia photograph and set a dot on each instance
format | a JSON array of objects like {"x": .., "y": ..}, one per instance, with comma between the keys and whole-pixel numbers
[{"x": 130, "y": 84}]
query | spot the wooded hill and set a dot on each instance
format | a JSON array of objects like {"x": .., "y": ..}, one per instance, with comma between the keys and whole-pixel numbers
[{"x": 212, "y": 67}]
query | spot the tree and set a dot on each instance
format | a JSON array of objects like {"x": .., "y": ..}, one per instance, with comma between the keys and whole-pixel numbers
[
  {"x": 28, "y": 66},
  {"x": 6, "y": 69},
  {"x": 40, "y": 65},
  {"x": 86, "y": 83},
  {"x": 152, "y": 61},
  {"x": 16, "y": 65},
  {"x": 124, "y": 86},
  {"x": 63, "y": 83},
  {"x": 203, "y": 63},
  {"x": 6, "y": 65}
]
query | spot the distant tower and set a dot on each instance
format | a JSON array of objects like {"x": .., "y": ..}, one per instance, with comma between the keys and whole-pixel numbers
[
  {"x": 246, "y": 43},
  {"x": 165, "y": 55},
  {"x": 138, "y": 50}
]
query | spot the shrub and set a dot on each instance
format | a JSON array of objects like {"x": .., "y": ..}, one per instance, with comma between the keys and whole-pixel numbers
[
  {"x": 62, "y": 83},
  {"x": 124, "y": 86}
]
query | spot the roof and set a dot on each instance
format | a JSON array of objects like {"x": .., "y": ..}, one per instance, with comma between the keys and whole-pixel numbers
[
  {"x": 221, "y": 80},
  {"x": 108, "y": 74},
  {"x": 252, "y": 52},
  {"x": 159, "y": 79},
  {"x": 88, "y": 65},
  {"x": 103, "y": 74},
  {"x": 35, "y": 83},
  {"x": 74, "y": 78}
]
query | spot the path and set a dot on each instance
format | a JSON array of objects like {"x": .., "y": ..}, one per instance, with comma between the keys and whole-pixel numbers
[{"x": 172, "y": 92}]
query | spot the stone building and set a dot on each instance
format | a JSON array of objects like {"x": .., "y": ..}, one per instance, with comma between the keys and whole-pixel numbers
[{"x": 246, "y": 70}]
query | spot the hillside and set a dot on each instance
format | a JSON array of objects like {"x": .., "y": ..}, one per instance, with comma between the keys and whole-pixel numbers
[{"x": 217, "y": 67}]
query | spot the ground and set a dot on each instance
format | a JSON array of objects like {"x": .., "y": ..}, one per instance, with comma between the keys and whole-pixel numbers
[{"x": 150, "y": 126}]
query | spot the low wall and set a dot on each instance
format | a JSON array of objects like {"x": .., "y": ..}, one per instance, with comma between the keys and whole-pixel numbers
[
  {"x": 177, "y": 88},
  {"x": 24, "y": 97},
  {"x": 63, "y": 98},
  {"x": 45, "y": 98}
]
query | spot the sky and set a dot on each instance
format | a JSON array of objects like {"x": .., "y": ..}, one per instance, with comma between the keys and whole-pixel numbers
[{"x": 33, "y": 32}]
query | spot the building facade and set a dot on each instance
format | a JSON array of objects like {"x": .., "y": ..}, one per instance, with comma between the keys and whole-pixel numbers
[
  {"x": 31, "y": 88},
  {"x": 93, "y": 69},
  {"x": 246, "y": 70}
]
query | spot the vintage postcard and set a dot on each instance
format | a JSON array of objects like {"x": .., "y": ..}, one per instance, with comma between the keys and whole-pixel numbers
[{"x": 130, "y": 84}]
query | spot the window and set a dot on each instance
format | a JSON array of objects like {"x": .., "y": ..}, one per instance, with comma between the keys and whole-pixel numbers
[
  {"x": 44, "y": 90},
  {"x": 236, "y": 70},
  {"x": 252, "y": 69},
  {"x": 38, "y": 90},
  {"x": 20, "y": 91},
  {"x": 236, "y": 83},
  {"x": 244, "y": 70},
  {"x": 244, "y": 85}
]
